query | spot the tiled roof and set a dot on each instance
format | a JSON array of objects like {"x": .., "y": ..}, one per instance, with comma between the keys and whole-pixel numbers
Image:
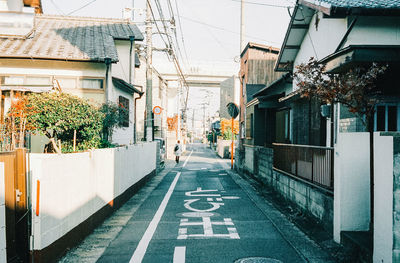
[
  {"x": 365, "y": 4},
  {"x": 362, "y": 3},
  {"x": 71, "y": 38}
]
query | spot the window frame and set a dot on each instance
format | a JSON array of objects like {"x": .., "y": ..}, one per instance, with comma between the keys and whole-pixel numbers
[{"x": 386, "y": 105}]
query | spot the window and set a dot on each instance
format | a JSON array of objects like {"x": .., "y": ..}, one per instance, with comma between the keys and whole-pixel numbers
[
  {"x": 386, "y": 117},
  {"x": 67, "y": 83},
  {"x": 91, "y": 83},
  {"x": 282, "y": 126},
  {"x": 12, "y": 80},
  {"x": 32, "y": 80},
  {"x": 249, "y": 125},
  {"x": 124, "y": 112}
]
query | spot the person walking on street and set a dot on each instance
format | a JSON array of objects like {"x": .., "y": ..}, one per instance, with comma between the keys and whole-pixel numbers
[{"x": 177, "y": 151}]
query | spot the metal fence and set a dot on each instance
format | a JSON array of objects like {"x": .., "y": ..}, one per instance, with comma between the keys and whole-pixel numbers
[{"x": 311, "y": 163}]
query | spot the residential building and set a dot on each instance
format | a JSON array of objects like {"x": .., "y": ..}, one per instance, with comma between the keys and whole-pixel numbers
[
  {"x": 92, "y": 58},
  {"x": 229, "y": 92},
  {"x": 159, "y": 98},
  {"x": 256, "y": 71},
  {"x": 322, "y": 162}
]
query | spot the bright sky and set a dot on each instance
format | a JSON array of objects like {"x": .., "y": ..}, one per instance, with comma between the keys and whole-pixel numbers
[
  {"x": 210, "y": 30},
  {"x": 210, "y": 27}
]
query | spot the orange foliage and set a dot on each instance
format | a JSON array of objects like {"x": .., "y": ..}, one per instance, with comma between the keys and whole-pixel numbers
[
  {"x": 226, "y": 125},
  {"x": 172, "y": 123}
]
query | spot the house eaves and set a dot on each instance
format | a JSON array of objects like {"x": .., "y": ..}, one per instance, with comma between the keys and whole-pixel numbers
[
  {"x": 297, "y": 30},
  {"x": 304, "y": 11},
  {"x": 284, "y": 77},
  {"x": 125, "y": 86}
]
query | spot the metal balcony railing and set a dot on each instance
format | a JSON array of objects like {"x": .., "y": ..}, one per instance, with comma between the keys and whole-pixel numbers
[{"x": 311, "y": 163}]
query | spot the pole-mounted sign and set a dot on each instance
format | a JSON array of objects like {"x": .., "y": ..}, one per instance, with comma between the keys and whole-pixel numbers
[
  {"x": 233, "y": 111},
  {"x": 157, "y": 110}
]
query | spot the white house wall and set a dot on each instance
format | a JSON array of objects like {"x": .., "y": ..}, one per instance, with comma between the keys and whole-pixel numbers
[
  {"x": 59, "y": 69},
  {"x": 121, "y": 68},
  {"x": 321, "y": 41},
  {"x": 375, "y": 31},
  {"x": 124, "y": 135}
]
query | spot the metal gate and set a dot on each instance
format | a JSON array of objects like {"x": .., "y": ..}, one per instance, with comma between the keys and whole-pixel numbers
[{"x": 17, "y": 231}]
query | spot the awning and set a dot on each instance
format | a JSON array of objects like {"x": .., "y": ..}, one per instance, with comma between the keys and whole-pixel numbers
[
  {"x": 358, "y": 55},
  {"x": 125, "y": 86}
]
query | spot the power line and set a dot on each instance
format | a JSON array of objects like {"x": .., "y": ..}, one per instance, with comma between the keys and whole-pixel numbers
[
  {"x": 85, "y": 5},
  {"x": 226, "y": 30},
  {"x": 58, "y": 9},
  {"x": 180, "y": 27}
]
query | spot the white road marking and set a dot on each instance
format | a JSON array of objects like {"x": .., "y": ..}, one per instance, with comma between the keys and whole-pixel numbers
[
  {"x": 179, "y": 255},
  {"x": 187, "y": 159},
  {"x": 208, "y": 231},
  {"x": 140, "y": 251}
]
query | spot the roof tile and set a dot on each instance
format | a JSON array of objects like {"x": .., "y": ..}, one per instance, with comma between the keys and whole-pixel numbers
[
  {"x": 71, "y": 38},
  {"x": 363, "y": 3}
]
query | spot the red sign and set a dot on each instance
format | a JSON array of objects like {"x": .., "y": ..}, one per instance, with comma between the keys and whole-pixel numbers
[{"x": 157, "y": 110}]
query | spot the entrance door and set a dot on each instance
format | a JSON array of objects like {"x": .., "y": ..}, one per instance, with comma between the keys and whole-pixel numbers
[{"x": 16, "y": 205}]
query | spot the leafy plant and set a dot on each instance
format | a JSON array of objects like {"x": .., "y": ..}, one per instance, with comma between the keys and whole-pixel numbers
[
  {"x": 226, "y": 128},
  {"x": 58, "y": 115},
  {"x": 355, "y": 88},
  {"x": 114, "y": 117}
]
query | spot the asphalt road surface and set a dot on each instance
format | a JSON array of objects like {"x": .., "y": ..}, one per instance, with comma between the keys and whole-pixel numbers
[{"x": 196, "y": 212}]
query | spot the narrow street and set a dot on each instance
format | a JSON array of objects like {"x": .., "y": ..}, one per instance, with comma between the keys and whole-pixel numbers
[{"x": 196, "y": 213}]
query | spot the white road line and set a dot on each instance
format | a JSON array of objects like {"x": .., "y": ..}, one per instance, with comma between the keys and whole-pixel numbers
[
  {"x": 140, "y": 251},
  {"x": 179, "y": 255},
  {"x": 187, "y": 159}
]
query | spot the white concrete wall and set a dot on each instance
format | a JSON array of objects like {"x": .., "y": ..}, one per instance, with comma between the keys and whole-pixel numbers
[
  {"x": 75, "y": 186},
  {"x": 383, "y": 198},
  {"x": 3, "y": 255},
  {"x": 224, "y": 148},
  {"x": 352, "y": 183}
]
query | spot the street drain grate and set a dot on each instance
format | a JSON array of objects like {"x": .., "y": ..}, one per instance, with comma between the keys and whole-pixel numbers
[{"x": 257, "y": 260}]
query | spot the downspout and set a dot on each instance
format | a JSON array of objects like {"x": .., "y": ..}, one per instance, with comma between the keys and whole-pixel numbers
[
  {"x": 134, "y": 112},
  {"x": 132, "y": 40},
  {"x": 107, "y": 61}
]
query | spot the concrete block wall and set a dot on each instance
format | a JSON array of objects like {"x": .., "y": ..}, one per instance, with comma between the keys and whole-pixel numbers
[
  {"x": 311, "y": 200},
  {"x": 75, "y": 186}
]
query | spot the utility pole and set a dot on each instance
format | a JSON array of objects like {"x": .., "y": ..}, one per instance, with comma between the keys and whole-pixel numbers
[
  {"x": 178, "y": 105},
  {"x": 149, "y": 74},
  {"x": 242, "y": 42}
]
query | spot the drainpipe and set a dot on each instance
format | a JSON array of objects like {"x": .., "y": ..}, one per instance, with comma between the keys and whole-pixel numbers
[
  {"x": 107, "y": 61},
  {"x": 131, "y": 56},
  {"x": 134, "y": 113}
]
